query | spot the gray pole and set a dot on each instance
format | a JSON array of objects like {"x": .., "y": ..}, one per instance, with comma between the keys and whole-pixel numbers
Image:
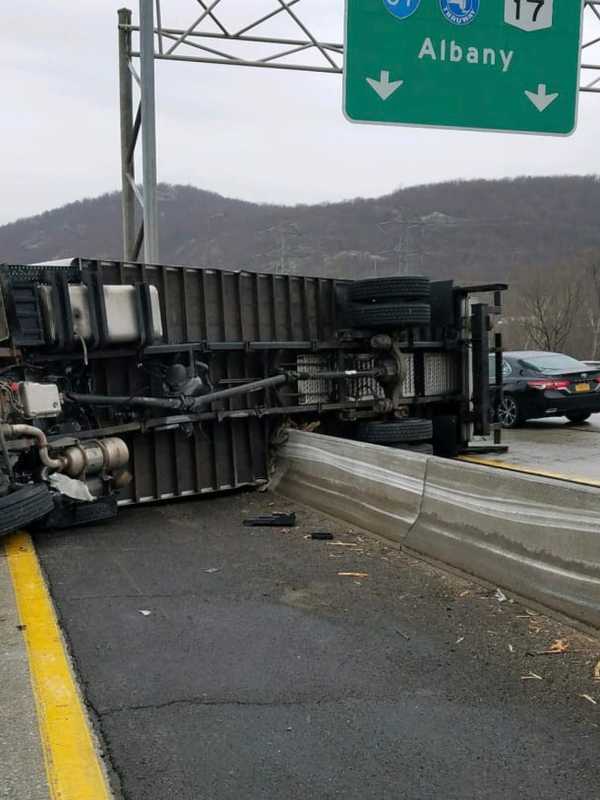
[
  {"x": 126, "y": 108},
  {"x": 151, "y": 251}
]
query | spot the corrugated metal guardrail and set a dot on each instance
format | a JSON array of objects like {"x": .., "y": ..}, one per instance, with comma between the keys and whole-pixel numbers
[{"x": 537, "y": 537}]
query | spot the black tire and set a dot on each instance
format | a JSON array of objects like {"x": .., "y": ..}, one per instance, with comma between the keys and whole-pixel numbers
[
  {"x": 397, "y": 288},
  {"x": 424, "y": 449},
  {"x": 24, "y": 506},
  {"x": 510, "y": 413},
  {"x": 391, "y": 315},
  {"x": 578, "y": 416},
  {"x": 409, "y": 430}
]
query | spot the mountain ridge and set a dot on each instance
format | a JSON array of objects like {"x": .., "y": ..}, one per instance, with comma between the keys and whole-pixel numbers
[{"x": 477, "y": 229}]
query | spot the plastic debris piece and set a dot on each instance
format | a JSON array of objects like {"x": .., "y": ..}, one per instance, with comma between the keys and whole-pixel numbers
[
  {"x": 403, "y": 635},
  {"x": 144, "y": 612},
  {"x": 212, "y": 570},
  {"x": 71, "y": 487},
  {"x": 511, "y": 649},
  {"x": 344, "y": 544},
  {"x": 500, "y": 596},
  {"x": 322, "y": 536},
  {"x": 533, "y": 676},
  {"x": 458, "y": 641},
  {"x": 275, "y": 520},
  {"x": 589, "y": 698},
  {"x": 353, "y": 574},
  {"x": 597, "y": 672}
]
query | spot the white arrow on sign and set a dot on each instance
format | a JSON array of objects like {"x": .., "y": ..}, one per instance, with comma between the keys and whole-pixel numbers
[
  {"x": 541, "y": 100},
  {"x": 384, "y": 87}
]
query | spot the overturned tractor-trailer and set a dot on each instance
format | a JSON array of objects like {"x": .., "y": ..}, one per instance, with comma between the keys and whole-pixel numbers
[{"x": 125, "y": 383}]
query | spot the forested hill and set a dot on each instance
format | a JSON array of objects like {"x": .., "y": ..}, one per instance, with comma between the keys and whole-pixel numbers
[{"x": 471, "y": 230}]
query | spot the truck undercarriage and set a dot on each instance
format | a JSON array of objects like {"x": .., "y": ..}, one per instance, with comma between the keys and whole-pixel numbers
[{"x": 127, "y": 383}]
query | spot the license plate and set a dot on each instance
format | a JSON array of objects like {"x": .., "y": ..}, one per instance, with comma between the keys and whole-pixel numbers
[{"x": 582, "y": 387}]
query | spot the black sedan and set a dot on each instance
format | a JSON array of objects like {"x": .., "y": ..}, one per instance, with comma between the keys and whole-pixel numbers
[{"x": 540, "y": 384}]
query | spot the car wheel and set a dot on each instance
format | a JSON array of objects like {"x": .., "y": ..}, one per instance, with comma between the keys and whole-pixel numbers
[
  {"x": 578, "y": 416},
  {"x": 23, "y": 506},
  {"x": 509, "y": 412},
  {"x": 402, "y": 287},
  {"x": 392, "y": 433},
  {"x": 391, "y": 315}
]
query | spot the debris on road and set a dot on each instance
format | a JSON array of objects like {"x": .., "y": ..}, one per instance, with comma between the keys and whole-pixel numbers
[
  {"x": 589, "y": 698},
  {"x": 353, "y": 574},
  {"x": 212, "y": 570},
  {"x": 533, "y": 676},
  {"x": 557, "y": 648},
  {"x": 144, "y": 612},
  {"x": 500, "y": 596},
  {"x": 597, "y": 672},
  {"x": 403, "y": 635},
  {"x": 511, "y": 649},
  {"x": 322, "y": 536},
  {"x": 344, "y": 544},
  {"x": 458, "y": 641},
  {"x": 275, "y": 520}
]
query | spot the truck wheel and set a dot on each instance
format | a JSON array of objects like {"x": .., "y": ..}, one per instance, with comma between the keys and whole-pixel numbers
[
  {"x": 403, "y": 287},
  {"x": 409, "y": 430},
  {"x": 391, "y": 315},
  {"x": 24, "y": 506}
]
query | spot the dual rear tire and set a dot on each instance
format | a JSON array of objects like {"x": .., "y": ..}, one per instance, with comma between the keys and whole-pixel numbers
[{"x": 388, "y": 303}]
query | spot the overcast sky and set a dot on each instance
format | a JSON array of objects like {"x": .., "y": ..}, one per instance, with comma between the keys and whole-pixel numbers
[{"x": 260, "y": 135}]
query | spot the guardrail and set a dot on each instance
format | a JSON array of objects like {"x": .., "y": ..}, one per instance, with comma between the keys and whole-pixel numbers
[{"x": 531, "y": 535}]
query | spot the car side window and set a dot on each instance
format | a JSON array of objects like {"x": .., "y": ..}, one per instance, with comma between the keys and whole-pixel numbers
[{"x": 506, "y": 369}]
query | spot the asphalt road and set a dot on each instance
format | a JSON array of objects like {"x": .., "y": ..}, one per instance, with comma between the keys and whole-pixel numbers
[
  {"x": 222, "y": 663},
  {"x": 555, "y": 445}
]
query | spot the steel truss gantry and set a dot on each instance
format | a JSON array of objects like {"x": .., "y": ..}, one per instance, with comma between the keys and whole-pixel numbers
[{"x": 210, "y": 38}]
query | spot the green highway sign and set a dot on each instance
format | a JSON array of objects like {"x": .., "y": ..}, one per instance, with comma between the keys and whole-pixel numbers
[{"x": 503, "y": 65}]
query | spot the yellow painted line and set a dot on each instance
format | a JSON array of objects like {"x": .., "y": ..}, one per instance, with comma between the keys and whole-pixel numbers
[
  {"x": 73, "y": 768},
  {"x": 490, "y": 462}
]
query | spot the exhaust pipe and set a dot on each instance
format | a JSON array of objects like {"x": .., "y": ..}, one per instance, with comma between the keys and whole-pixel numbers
[{"x": 29, "y": 431}]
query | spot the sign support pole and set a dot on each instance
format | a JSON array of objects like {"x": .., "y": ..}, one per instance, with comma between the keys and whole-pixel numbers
[
  {"x": 127, "y": 135},
  {"x": 147, "y": 85}
]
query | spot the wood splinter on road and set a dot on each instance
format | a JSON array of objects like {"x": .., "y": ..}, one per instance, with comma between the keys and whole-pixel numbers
[
  {"x": 353, "y": 574},
  {"x": 589, "y": 699}
]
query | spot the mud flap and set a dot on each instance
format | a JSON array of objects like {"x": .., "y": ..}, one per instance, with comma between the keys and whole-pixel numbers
[{"x": 68, "y": 513}]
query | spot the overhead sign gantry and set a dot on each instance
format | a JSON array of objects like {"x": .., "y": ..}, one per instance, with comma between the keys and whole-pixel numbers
[{"x": 496, "y": 64}]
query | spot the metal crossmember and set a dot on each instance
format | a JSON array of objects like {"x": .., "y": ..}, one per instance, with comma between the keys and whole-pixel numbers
[
  {"x": 216, "y": 36},
  {"x": 210, "y": 39}
]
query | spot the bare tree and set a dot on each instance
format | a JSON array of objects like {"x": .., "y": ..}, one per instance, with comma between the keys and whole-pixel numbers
[
  {"x": 590, "y": 306},
  {"x": 550, "y": 300}
]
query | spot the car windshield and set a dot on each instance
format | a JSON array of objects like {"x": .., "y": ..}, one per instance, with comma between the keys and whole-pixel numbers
[{"x": 553, "y": 363}]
